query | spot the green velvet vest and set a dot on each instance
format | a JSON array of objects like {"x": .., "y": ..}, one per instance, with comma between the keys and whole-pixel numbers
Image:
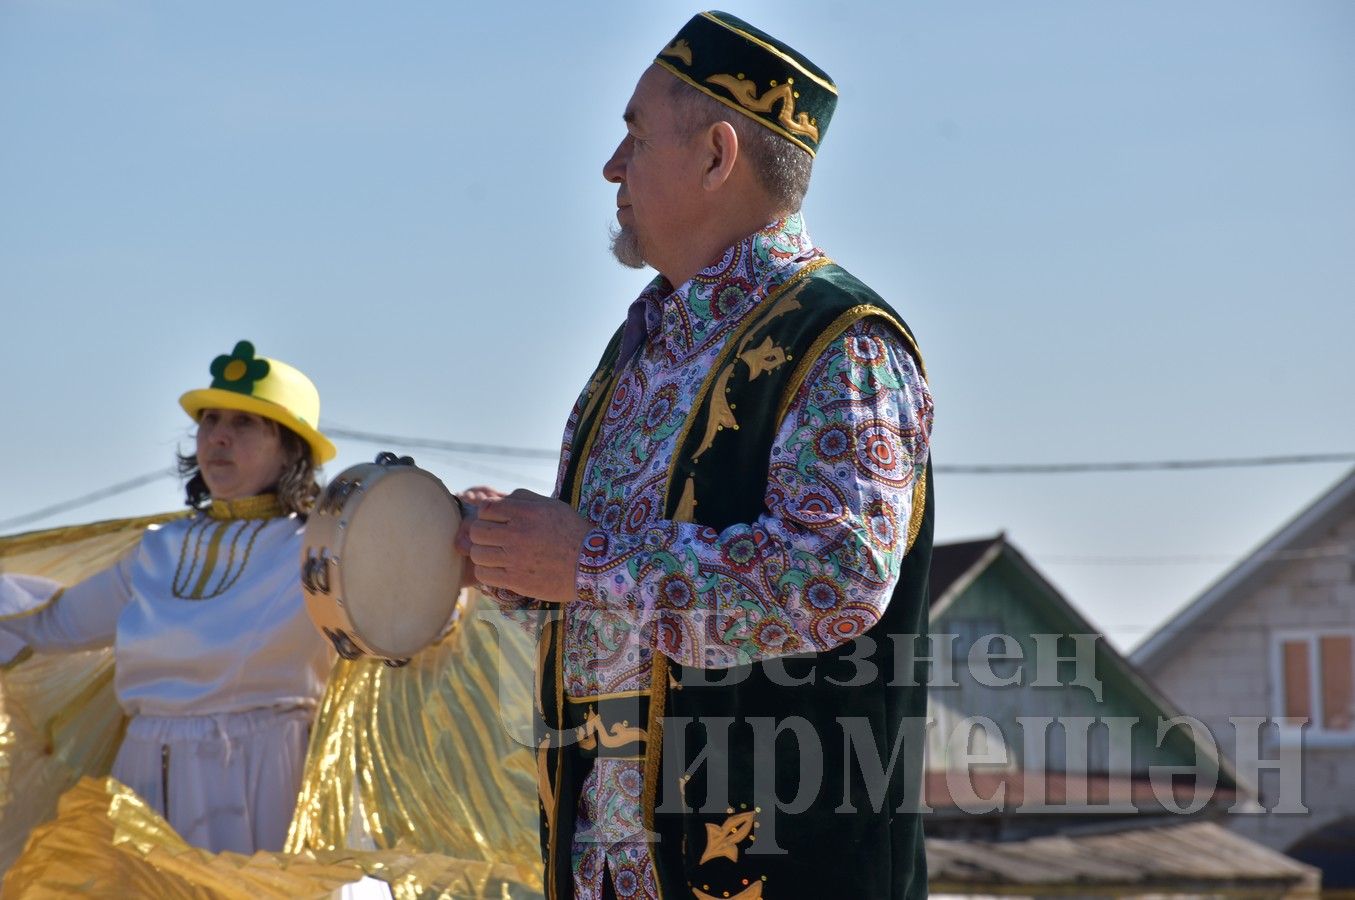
[{"x": 730, "y": 755}]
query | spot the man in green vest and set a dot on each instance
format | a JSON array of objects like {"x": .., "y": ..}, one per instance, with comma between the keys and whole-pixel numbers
[{"x": 733, "y": 570}]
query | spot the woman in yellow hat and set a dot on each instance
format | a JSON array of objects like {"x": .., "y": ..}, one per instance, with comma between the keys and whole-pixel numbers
[{"x": 216, "y": 662}]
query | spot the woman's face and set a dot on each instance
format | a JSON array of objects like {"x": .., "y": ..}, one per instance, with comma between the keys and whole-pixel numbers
[{"x": 240, "y": 454}]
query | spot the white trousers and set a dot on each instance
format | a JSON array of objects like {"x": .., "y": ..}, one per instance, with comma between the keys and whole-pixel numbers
[{"x": 224, "y": 782}]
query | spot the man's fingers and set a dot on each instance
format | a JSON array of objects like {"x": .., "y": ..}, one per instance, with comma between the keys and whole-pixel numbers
[
  {"x": 493, "y": 577},
  {"x": 496, "y": 511},
  {"x": 480, "y": 494},
  {"x": 483, "y": 555},
  {"x": 488, "y": 533}
]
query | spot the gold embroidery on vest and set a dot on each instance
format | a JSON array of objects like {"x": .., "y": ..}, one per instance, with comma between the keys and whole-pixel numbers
[
  {"x": 619, "y": 735},
  {"x": 543, "y": 787},
  {"x": 745, "y": 92},
  {"x": 686, "y": 508},
  {"x": 919, "y": 509},
  {"x": 723, "y": 840},
  {"x": 831, "y": 334},
  {"x": 593, "y": 393},
  {"x": 613, "y": 695},
  {"x": 658, "y": 702},
  {"x": 721, "y": 412},
  {"x": 765, "y": 358},
  {"x": 781, "y": 300},
  {"x": 679, "y": 49},
  {"x": 586, "y": 448},
  {"x": 551, "y": 829},
  {"x": 752, "y": 892}
]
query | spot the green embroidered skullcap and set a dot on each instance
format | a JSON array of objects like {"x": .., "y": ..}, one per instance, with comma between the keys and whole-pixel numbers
[{"x": 753, "y": 73}]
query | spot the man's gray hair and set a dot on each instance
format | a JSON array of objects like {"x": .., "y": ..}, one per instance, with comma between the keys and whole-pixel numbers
[{"x": 782, "y": 168}]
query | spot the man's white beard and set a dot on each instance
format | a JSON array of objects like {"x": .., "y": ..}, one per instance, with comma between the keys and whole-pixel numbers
[{"x": 626, "y": 247}]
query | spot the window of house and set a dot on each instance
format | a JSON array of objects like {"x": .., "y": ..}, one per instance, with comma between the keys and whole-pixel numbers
[{"x": 1315, "y": 681}]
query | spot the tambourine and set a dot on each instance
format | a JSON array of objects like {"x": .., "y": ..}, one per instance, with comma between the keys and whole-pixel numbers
[{"x": 378, "y": 568}]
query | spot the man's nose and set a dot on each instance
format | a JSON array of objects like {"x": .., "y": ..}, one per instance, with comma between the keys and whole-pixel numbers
[{"x": 615, "y": 168}]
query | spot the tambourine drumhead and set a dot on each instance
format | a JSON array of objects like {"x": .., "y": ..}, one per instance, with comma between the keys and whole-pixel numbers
[{"x": 393, "y": 572}]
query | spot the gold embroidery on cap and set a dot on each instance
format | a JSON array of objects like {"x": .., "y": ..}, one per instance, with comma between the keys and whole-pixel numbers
[
  {"x": 679, "y": 49},
  {"x": 745, "y": 92}
]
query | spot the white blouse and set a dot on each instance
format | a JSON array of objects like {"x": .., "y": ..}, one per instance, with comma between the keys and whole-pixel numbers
[{"x": 205, "y": 616}]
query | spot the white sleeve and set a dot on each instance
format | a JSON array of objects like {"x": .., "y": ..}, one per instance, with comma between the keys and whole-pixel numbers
[{"x": 38, "y": 613}]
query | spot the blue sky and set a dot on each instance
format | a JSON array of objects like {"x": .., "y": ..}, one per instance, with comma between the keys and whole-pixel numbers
[{"x": 1120, "y": 231}]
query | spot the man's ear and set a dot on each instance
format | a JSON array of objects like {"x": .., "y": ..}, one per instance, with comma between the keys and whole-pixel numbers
[{"x": 722, "y": 145}]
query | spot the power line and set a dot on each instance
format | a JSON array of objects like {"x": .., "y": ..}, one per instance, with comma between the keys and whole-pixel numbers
[
  {"x": 85, "y": 499},
  {"x": 517, "y": 478},
  {"x": 504, "y": 450},
  {"x": 1235, "y": 462},
  {"x": 371, "y": 437},
  {"x": 1332, "y": 552}
]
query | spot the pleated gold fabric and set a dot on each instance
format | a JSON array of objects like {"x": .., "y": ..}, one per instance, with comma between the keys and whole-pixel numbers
[
  {"x": 436, "y": 756},
  {"x": 59, "y": 719},
  {"x": 431, "y": 763},
  {"x": 106, "y": 842}
]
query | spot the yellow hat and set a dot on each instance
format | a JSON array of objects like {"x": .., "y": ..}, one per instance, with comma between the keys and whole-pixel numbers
[{"x": 265, "y": 387}]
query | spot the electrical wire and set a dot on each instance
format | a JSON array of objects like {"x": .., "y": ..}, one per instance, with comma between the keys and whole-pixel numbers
[
  {"x": 1337, "y": 552},
  {"x": 371, "y": 437},
  {"x": 85, "y": 499},
  {"x": 533, "y": 453},
  {"x": 1234, "y": 462}
]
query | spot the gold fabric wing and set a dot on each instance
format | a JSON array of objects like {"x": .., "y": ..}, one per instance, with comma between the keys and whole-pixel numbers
[
  {"x": 429, "y": 766},
  {"x": 106, "y": 842},
  {"x": 59, "y": 719},
  {"x": 436, "y": 756}
]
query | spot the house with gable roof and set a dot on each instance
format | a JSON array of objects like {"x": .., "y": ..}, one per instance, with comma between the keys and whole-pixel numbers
[
  {"x": 1039, "y": 724},
  {"x": 1274, "y": 637},
  {"x": 1051, "y": 766}
]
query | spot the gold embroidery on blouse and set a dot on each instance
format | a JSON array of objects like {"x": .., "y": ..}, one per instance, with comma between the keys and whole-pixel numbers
[
  {"x": 197, "y": 527},
  {"x": 260, "y": 506},
  {"x": 228, "y": 567}
]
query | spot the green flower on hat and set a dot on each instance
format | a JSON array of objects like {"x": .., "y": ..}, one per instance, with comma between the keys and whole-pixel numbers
[{"x": 239, "y": 371}]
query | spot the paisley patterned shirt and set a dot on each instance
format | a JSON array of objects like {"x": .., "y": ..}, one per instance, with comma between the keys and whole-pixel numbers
[{"x": 814, "y": 571}]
